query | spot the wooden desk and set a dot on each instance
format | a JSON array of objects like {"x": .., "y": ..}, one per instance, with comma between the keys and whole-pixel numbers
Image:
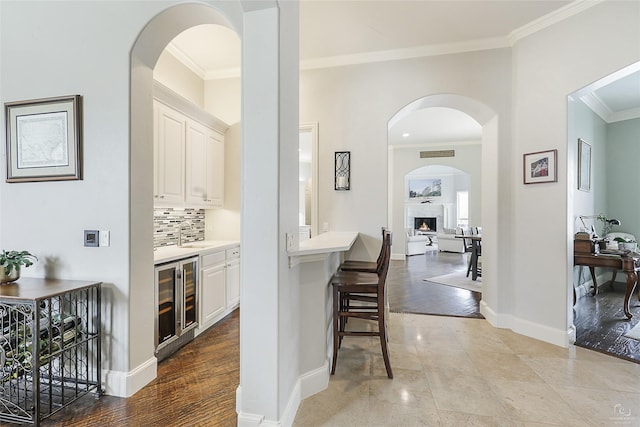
[
  {"x": 476, "y": 240},
  {"x": 627, "y": 262}
]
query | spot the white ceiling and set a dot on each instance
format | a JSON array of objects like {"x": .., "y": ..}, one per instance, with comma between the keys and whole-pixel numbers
[{"x": 346, "y": 32}]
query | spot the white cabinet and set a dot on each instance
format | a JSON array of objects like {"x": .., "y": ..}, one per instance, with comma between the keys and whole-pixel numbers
[
  {"x": 220, "y": 285},
  {"x": 188, "y": 160},
  {"x": 205, "y": 166},
  {"x": 212, "y": 295},
  {"x": 169, "y": 146},
  {"x": 215, "y": 168},
  {"x": 233, "y": 277}
]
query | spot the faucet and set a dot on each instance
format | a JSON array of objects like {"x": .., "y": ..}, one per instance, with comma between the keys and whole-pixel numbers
[{"x": 190, "y": 224}]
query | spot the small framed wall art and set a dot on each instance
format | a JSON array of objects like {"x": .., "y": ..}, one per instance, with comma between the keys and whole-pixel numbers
[
  {"x": 44, "y": 141},
  {"x": 584, "y": 165},
  {"x": 541, "y": 166}
]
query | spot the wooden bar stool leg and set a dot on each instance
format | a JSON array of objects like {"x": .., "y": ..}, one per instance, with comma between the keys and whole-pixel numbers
[
  {"x": 336, "y": 328},
  {"x": 382, "y": 327}
]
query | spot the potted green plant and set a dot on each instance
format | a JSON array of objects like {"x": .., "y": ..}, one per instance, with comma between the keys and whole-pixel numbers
[{"x": 10, "y": 263}]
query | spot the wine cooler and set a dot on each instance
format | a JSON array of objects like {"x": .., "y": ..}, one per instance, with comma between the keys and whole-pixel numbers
[{"x": 176, "y": 304}]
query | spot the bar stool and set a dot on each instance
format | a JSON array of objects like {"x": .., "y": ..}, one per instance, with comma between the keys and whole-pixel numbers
[
  {"x": 368, "y": 291},
  {"x": 366, "y": 266}
]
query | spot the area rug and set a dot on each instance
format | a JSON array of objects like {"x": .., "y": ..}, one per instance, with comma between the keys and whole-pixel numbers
[
  {"x": 634, "y": 333},
  {"x": 457, "y": 280}
]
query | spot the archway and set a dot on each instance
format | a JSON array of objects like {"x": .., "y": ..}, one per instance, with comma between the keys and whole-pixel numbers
[
  {"x": 482, "y": 158},
  {"x": 144, "y": 55},
  {"x": 269, "y": 134}
]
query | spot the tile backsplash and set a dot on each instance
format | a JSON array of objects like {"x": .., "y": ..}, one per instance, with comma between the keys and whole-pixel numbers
[{"x": 166, "y": 222}]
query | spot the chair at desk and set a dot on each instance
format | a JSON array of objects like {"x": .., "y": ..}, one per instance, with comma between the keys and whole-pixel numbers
[{"x": 362, "y": 296}]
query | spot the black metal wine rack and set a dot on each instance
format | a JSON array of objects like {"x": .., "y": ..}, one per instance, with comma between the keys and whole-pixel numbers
[{"x": 49, "y": 348}]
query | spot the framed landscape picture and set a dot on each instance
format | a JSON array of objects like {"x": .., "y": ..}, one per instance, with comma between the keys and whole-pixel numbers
[
  {"x": 428, "y": 187},
  {"x": 541, "y": 166}
]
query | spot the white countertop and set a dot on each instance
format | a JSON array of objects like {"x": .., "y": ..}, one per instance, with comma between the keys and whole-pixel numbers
[
  {"x": 332, "y": 241},
  {"x": 172, "y": 253}
]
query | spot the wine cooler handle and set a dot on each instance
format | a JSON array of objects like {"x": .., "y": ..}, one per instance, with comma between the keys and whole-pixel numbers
[{"x": 184, "y": 296}]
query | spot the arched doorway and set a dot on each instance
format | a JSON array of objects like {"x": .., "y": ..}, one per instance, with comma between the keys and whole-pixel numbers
[
  {"x": 269, "y": 135},
  {"x": 482, "y": 157}
]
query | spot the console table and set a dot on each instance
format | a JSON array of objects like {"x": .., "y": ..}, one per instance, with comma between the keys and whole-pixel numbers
[{"x": 625, "y": 261}]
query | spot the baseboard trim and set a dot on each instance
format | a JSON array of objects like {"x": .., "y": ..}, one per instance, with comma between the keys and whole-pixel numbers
[
  {"x": 315, "y": 381},
  {"x": 293, "y": 404},
  {"x": 525, "y": 327},
  {"x": 126, "y": 384},
  {"x": 398, "y": 257}
]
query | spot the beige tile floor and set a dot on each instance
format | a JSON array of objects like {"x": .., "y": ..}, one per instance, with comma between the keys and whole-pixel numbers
[{"x": 464, "y": 372}]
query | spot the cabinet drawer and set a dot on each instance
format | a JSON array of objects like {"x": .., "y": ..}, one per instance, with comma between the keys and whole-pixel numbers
[
  {"x": 233, "y": 253},
  {"x": 212, "y": 258}
]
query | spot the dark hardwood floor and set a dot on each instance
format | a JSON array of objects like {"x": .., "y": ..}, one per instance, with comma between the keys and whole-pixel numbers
[
  {"x": 600, "y": 322},
  {"x": 195, "y": 387},
  {"x": 409, "y": 293}
]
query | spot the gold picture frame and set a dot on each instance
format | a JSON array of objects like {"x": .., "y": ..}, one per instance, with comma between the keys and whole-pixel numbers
[{"x": 44, "y": 139}]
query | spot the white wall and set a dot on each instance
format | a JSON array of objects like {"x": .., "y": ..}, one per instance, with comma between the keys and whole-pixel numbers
[
  {"x": 406, "y": 159},
  {"x": 548, "y": 66},
  {"x": 222, "y": 99},
  {"x": 353, "y": 105},
  {"x": 60, "y": 48},
  {"x": 623, "y": 152},
  {"x": 179, "y": 78}
]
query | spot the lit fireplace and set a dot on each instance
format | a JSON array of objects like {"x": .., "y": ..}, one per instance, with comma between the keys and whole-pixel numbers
[{"x": 425, "y": 224}]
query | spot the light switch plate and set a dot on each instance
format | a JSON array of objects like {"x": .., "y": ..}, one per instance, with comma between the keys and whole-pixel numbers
[{"x": 105, "y": 237}]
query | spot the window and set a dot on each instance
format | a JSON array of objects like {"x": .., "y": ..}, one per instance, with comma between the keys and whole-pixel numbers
[{"x": 462, "y": 215}]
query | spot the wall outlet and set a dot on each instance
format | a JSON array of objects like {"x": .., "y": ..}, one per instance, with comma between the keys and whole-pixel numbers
[
  {"x": 291, "y": 241},
  {"x": 105, "y": 237}
]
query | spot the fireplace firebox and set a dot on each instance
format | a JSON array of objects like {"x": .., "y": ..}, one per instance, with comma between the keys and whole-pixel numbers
[{"x": 425, "y": 224}]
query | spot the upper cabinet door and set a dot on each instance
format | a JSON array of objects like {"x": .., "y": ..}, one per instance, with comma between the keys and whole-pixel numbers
[
  {"x": 196, "y": 170},
  {"x": 169, "y": 149},
  {"x": 215, "y": 169}
]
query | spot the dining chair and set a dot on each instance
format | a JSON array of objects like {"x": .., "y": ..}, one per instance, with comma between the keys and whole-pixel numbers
[{"x": 362, "y": 295}]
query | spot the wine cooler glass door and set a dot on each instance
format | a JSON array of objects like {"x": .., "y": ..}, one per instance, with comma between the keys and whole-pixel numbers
[
  {"x": 189, "y": 280},
  {"x": 166, "y": 300}
]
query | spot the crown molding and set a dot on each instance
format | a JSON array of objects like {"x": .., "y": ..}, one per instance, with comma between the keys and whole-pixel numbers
[
  {"x": 596, "y": 105},
  {"x": 620, "y": 116},
  {"x": 541, "y": 23},
  {"x": 565, "y": 12},
  {"x": 406, "y": 53},
  {"x": 223, "y": 73},
  {"x": 186, "y": 60}
]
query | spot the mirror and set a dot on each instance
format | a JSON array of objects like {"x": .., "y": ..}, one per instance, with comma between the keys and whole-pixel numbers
[{"x": 308, "y": 180}]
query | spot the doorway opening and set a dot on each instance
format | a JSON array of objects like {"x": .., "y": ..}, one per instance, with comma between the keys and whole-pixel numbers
[
  {"x": 606, "y": 116},
  {"x": 444, "y": 133}
]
